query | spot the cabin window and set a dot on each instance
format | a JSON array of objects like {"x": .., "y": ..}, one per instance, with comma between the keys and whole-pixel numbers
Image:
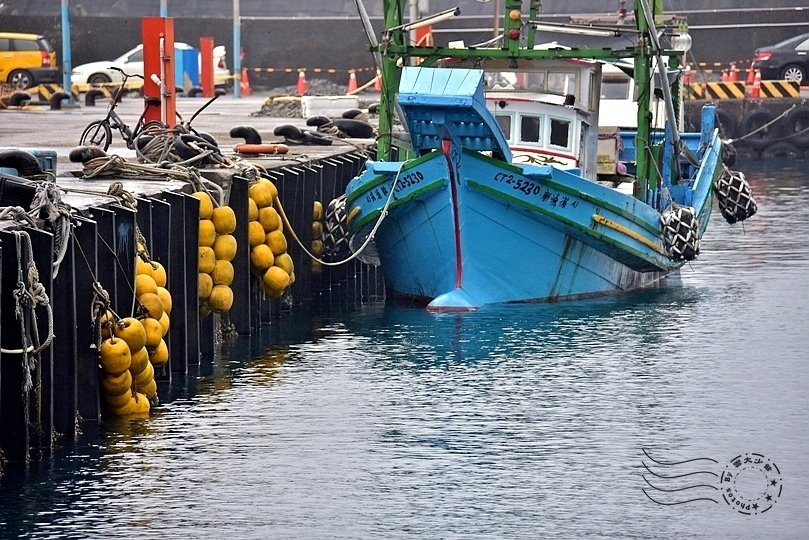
[
  {"x": 616, "y": 88},
  {"x": 560, "y": 133},
  {"x": 562, "y": 83},
  {"x": 504, "y": 121},
  {"x": 529, "y": 129}
]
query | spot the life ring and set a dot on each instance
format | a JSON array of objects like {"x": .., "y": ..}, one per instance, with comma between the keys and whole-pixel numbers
[
  {"x": 265, "y": 148},
  {"x": 727, "y": 124},
  {"x": 753, "y": 121},
  {"x": 781, "y": 149},
  {"x": 796, "y": 127}
]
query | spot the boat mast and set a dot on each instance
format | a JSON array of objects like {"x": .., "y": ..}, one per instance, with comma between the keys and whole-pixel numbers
[{"x": 642, "y": 79}]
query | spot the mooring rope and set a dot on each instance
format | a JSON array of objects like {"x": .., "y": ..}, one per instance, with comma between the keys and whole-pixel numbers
[
  {"x": 382, "y": 215},
  {"x": 765, "y": 126}
]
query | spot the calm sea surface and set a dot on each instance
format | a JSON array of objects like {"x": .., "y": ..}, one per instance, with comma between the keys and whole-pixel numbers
[{"x": 513, "y": 422}]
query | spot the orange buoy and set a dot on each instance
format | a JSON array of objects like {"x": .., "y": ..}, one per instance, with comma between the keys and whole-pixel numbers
[{"x": 263, "y": 148}]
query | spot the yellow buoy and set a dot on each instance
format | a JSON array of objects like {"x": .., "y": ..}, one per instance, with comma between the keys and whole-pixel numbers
[
  {"x": 165, "y": 323},
  {"x": 159, "y": 274},
  {"x": 142, "y": 267},
  {"x": 146, "y": 375},
  {"x": 224, "y": 219},
  {"x": 255, "y": 233},
  {"x": 224, "y": 247},
  {"x": 141, "y": 406},
  {"x": 115, "y": 385},
  {"x": 204, "y": 311},
  {"x": 207, "y": 233},
  {"x": 273, "y": 190},
  {"x": 269, "y": 219},
  {"x": 118, "y": 401},
  {"x": 277, "y": 242},
  {"x": 154, "y": 332},
  {"x": 139, "y": 360},
  {"x": 205, "y": 204},
  {"x": 131, "y": 330},
  {"x": 124, "y": 410},
  {"x": 261, "y": 194},
  {"x": 207, "y": 259},
  {"x": 275, "y": 280},
  {"x": 252, "y": 210},
  {"x": 221, "y": 298},
  {"x": 165, "y": 299},
  {"x": 261, "y": 257},
  {"x": 160, "y": 354},
  {"x": 317, "y": 230},
  {"x": 284, "y": 261},
  {"x": 149, "y": 389},
  {"x": 317, "y": 248},
  {"x": 105, "y": 323},
  {"x": 145, "y": 284},
  {"x": 222, "y": 273},
  {"x": 317, "y": 211},
  {"x": 115, "y": 355},
  {"x": 152, "y": 303},
  {"x": 204, "y": 285}
]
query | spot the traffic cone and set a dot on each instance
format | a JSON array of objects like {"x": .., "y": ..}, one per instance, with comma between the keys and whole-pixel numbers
[
  {"x": 751, "y": 75},
  {"x": 352, "y": 83},
  {"x": 755, "y": 91},
  {"x": 734, "y": 73},
  {"x": 378, "y": 81},
  {"x": 244, "y": 84},
  {"x": 303, "y": 86}
]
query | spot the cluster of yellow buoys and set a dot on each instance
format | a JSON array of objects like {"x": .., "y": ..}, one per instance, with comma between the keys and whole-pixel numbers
[
  {"x": 317, "y": 236},
  {"x": 127, "y": 379},
  {"x": 217, "y": 248},
  {"x": 268, "y": 245},
  {"x": 152, "y": 295}
]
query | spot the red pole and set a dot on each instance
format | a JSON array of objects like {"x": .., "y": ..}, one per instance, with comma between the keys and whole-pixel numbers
[
  {"x": 158, "y": 69},
  {"x": 206, "y": 78}
]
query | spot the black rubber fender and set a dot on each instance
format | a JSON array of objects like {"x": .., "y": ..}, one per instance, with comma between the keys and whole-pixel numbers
[
  {"x": 182, "y": 145},
  {"x": 288, "y": 130},
  {"x": 373, "y": 108},
  {"x": 317, "y": 121},
  {"x": 18, "y": 99},
  {"x": 728, "y": 127},
  {"x": 313, "y": 137},
  {"x": 796, "y": 127},
  {"x": 91, "y": 96},
  {"x": 728, "y": 154},
  {"x": 81, "y": 154},
  {"x": 210, "y": 138},
  {"x": 355, "y": 128},
  {"x": 24, "y": 162},
  {"x": 56, "y": 100},
  {"x": 752, "y": 121},
  {"x": 352, "y": 113},
  {"x": 248, "y": 133},
  {"x": 781, "y": 149}
]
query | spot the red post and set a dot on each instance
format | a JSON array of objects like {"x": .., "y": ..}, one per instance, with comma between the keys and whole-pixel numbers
[
  {"x": 206, "y": 79},
  {"x": 158, "y": 69}
]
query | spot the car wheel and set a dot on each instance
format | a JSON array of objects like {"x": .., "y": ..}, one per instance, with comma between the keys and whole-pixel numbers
[
  {"x": 99, "y": 78},
  {"x": 794, "y": 72},
  {"x": 20, "y": 78}
]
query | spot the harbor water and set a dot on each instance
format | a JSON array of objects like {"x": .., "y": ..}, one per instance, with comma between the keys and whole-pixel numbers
[{"x": 567, "y": 420}]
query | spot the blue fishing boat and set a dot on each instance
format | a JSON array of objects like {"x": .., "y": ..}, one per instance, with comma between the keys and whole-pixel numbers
[{"x": 503, "y": 189}]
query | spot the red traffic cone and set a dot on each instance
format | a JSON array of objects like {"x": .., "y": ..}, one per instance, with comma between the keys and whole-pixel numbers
[
  {"x": 755, "y": 91},
  {"x": 244, "y": 84},
  {"x": 751, "y": 75},
  {"x": 378, "y": 81},
  {"x": 352, "y": 83},
  {"x": 303, "y": 86}
]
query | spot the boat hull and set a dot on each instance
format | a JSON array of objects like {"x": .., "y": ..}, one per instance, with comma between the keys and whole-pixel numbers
[{"x": 462, "y": 230}]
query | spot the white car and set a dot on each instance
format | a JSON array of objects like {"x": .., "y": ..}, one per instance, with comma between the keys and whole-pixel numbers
[{"x": 132, "y": 63}]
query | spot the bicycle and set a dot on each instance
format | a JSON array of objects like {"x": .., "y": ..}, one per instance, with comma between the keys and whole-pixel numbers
[{"x": 99, "y": 132}]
